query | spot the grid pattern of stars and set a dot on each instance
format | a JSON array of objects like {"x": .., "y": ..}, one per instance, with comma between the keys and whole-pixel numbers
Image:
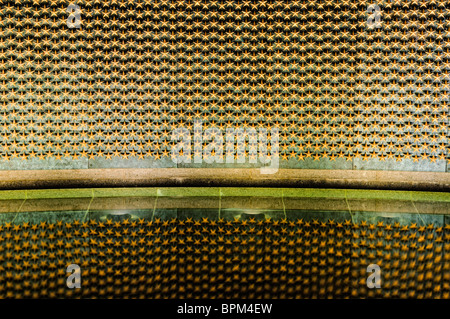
[
  {"x": 207, "y": 258},
  {"x": 138, "y": 69}
]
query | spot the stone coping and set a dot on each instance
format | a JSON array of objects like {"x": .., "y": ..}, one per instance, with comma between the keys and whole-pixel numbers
[{"x": 214, "y": 177}]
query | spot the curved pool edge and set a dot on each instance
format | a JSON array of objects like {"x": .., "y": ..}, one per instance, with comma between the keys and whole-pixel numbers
[{"x": 215, "y": 177}]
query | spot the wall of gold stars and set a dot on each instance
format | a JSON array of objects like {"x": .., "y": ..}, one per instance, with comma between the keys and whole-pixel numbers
[
  {"x": 115, "y": 88},
  {"x": 202, "y": 258}
]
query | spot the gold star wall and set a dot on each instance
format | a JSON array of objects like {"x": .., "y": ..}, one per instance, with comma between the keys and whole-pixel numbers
[
  {"x": 136, "y": 70},
  {"x": 186, "y": 258}
]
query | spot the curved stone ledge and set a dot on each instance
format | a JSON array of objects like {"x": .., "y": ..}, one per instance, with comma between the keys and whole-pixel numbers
[{"x": 213, "y": 177}]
